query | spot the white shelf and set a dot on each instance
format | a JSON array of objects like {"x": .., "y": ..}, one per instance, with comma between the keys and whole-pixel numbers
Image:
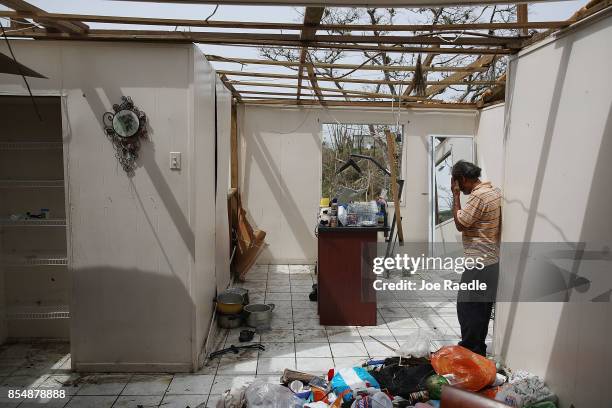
[
  {"x": 34, "y": 260},
  {"x": 34, "y": 222},
  {"x": 38, "y": 312},
  {"x": 31, "y": 183},
  {"x": 31, "y": 145}
]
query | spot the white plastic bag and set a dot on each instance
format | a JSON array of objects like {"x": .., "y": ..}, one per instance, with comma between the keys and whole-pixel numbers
[
  {"x": 264, "y": 395},
  {"x": 232, "y": 398},
  {"x": 418, "y": 345}
]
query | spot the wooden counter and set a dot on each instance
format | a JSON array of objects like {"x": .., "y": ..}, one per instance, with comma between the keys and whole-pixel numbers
[{"x": 343, "y": 253}]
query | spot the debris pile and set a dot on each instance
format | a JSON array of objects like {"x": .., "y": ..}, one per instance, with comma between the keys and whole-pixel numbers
[{"x": 447, "y": 378}]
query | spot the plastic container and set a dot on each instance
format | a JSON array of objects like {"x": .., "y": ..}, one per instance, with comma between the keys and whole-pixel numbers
[{"x": 470, "y": 371}]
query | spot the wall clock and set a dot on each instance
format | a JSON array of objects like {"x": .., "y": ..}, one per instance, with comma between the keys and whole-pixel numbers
[{"x": 125, "y": 126}]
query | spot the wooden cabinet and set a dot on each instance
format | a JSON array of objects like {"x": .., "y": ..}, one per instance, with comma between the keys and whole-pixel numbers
[{"x": 345, "y": 293}]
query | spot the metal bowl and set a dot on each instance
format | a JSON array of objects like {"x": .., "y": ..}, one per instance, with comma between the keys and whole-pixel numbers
[{"x": 229, "y": 303}]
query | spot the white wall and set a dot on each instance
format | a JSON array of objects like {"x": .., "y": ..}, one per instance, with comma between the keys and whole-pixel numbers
[
  {"x": 489, "y": 143},
  {"x": 558, "y": 144},
  {"x": 143, "y": 247},
  {"x": 280, "y": 170}
]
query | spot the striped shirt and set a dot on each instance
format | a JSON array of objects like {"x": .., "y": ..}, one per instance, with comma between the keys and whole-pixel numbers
[{"x": 481, "y": 218}]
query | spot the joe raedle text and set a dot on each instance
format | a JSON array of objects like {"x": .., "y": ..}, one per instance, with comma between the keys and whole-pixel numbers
[
  {"x": 423, "y": 285},
  {"x": 424, "y": 263}
]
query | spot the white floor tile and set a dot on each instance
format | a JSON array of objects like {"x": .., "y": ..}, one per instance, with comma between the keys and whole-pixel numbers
[
  {"x": 401, "y": 323},
  {"x": 43, "y": 403},
  {"x": 148, "y": 384},
  {"x": 223, "y": 383},
  {"x": 239, "y": 366},
  {"x": 303, "y": 304},
  {"x": 190, "y": 384},
  {"x": 348, "y": 362},
  {"x": 103, "y": 384},
  {"x": 311, "y": 336},
  {"x": 277, "y": 336},
  {"x": 275, "y": 365},
  {"x": 315, "y": 365},
  {"x": 213, "y": 399},
  {"x": 83, "y": 401},
  {"x": 278, "y": 350},
  {"x": 348, "y": 350},
  {"x": 304, "y": 324},
  {"x": 381, "y": 334},
  {"x": 343, "y": 335},
  {"x": 183, "y": 401},
  {"x": 281, "y": 323},
  {"x": 374, "y": 348},
  {"x": 306, "y": 350},
  {"x": 139, "y": 401}
]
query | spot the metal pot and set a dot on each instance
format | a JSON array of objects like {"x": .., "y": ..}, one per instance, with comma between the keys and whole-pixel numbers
[
  {"x": 229, "y": 321},
  {"x": 242, "y": 292},
  {"x": 259, "y": 315},
  {"x": 229, "y": 303}
]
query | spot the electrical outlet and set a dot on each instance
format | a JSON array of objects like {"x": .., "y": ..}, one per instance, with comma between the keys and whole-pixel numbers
[{"x": 175, "y": 160}]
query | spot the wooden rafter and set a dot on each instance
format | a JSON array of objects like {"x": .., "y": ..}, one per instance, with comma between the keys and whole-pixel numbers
[
  {"x": 351, "y": 80},
  {"x": 382, "y": 104},
  {"x": 40, "y": 16},
  {"x": 174, "y": 22},
  {"x": 343, "y": 3},
  {"x": 522, "y": 16},
  {"x": 395, "y": 68},
  {"x": 312, "y": 18},
  {"x": 334, "y": 90},
  {"x": 482, "y": 61},
  {"x": 231, "y": 88},
  {"x": 280, "y": 40}
]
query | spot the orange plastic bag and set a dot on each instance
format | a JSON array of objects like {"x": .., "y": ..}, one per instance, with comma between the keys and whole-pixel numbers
[{"x": 471, "y": 371}]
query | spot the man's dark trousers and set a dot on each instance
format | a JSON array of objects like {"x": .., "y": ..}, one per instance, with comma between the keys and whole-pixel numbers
[{"x": 474, "y": 308}]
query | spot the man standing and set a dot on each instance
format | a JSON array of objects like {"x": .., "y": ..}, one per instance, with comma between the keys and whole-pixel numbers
[{"x": 480, "y": 226}]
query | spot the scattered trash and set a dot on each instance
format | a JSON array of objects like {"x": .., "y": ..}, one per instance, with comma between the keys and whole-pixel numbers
[
  {"x": 524, "y": 389},
  {"x": 410, "y": 380},
  {"x": 232, "y": 398},
  {"x": 353, "y": 379},
  {"x": 246, "y": 335},
  {"x": 404, "y": 377},
  {"x": 418, "y": 345},
  {"x": 236, "y": 349},
  {"x": 434, "y": 385},
  {"x": 313, "y": 296},
  {"x": 470, "y": 371},
  {"x": 264, "y": 395}
]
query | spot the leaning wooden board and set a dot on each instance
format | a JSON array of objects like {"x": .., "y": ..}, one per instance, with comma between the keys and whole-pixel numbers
[{"x": 394, "y": 191}]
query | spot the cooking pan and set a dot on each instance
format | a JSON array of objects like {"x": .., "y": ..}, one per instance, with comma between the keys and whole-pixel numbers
[{"x": 229, "y": 303}]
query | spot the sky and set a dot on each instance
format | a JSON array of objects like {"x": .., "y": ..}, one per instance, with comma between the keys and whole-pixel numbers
[{"x": 546, "y": 11}]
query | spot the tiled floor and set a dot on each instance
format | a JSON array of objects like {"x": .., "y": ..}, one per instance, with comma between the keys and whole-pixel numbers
[{"x": 296, "y": 341}]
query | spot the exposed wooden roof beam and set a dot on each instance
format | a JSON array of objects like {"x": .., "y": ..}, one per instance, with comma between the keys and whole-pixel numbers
[
  {"x": 350, "y": 80},
  {"x": 231, "y": 88},
  {"x": 371, "y": 104},
  {"x": 342, "y": 3},
  {"x": 174, "y": 22},
  {"x": 249, "y": 39},
  {"x": 312, "y": 18},
  {"x": 40, "y": 16},
  {"x": 482, "y": 61},
  {"x": 395, "y": 68},
  {"x": 334, "y": 90},
  {"x": 522, "y": 16}
]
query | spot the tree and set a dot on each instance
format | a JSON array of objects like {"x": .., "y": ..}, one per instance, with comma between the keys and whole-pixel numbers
[{"x": 381, "y": 16}]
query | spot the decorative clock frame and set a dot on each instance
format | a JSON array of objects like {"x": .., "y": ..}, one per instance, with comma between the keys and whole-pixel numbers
[{"x": 125, "y": 127}]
